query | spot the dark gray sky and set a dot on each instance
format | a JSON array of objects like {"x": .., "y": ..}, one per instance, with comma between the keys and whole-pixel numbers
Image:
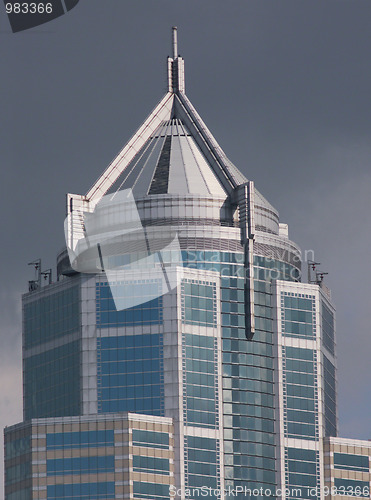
[{"x": 285, "y": 87}]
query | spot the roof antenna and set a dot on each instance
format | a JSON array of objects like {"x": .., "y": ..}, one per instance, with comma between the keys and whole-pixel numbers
[
  {"x": 175, "y": 67},
  {"x": 175, "y": 42}
]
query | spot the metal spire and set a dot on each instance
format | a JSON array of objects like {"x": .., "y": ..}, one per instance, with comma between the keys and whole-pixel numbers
[
  {"x": 175, "y": 42},
  {"x": 175, "y": 66},
  {"x": 174, "y": 104}
]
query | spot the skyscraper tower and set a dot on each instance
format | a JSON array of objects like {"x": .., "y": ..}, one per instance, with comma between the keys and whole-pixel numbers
[{"x": 179, "y": 351}]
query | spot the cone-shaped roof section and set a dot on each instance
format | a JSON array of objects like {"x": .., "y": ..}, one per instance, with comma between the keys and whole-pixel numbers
[
  {"x": 172, "y": 152},
  {"x": 170, "y": 162}
]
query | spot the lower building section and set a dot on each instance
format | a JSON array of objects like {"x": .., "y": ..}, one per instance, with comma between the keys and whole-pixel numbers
[
  {"x": 347, "y": 468},
  {"x": 305, "y": 387},
  {"x": 117, "y": 456}
]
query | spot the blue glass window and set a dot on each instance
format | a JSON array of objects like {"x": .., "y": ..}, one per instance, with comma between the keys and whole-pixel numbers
[
  {"x": 298, "y": 315},
  {"x": 330, "y": 397},
  {"x": 148, "y": 312},
  {"x": 201, "y": 457},
  {"x": 130, "y": 374},
  {"x": 23, "y": 494},
  {"x": 80, "y": 465},
  {"x": 51, "y": 317},
  {"x": 17, "y": 473},
  {"x": 302, "y": 469},
  {"x": 151, "y": 465},
  {"x": 198, "y": 303},
  {"x": 151, "y": 439},
  {"x": 268, "y": 269},
  {"x": 347, "y": 461},
  {"x": 83, "y": 439},
  {"x": 52, "y": 382},
  {"x": 17, "y": 447},
  {"x": 350, "y": 487},
  {"x": 328, "y": 328},
  {"x": 81, "y": 491},
  {"x": 200, "y": 381},
  {"x": 151, "y": 490},
  {"x": 300, "y": 409}
]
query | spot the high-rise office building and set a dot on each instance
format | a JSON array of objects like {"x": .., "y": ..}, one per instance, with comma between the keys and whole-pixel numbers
[{"x": 178, "y": 354}]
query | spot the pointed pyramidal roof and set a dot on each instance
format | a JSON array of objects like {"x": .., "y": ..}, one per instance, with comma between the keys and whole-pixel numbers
[
  {"x": 172, "y": 152},
  {"x": 170, "y": 162}
]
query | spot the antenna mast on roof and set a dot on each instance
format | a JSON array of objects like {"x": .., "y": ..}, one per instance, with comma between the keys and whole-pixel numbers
[
  {"x": 175, "y": 42},
  {"x": 35, "y": 284},
  {"x": 175, "y": 66},
  {"x": 312, "y": 266}
]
